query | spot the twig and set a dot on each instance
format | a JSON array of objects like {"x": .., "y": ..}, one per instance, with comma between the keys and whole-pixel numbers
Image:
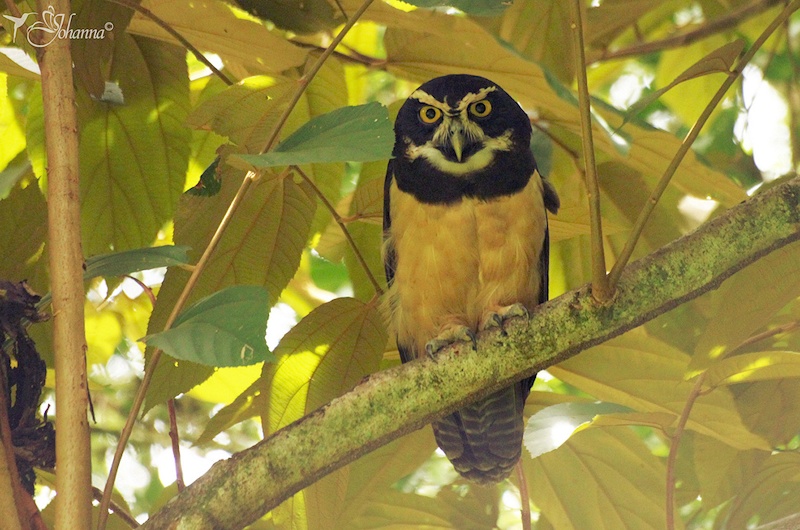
[
  {"x": 176, "y": 444},
  {"x": 173, "y": 33},
  {"x": 118, "y": 510},
  {"x": 248, "y": 180},
  {"x": 600, "y": 285},
  {"x": 73, "y": 451},
  {"x": 345, "y": 231},
  {"x": 673, "y": 449},
  {"x": 648, "y": 207},
  {"x": 524, "y": 500},
  {"x": 716, "y": 25}
]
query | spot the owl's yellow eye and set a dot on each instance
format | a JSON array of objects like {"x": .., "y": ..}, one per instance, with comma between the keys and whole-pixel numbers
[
  {"x": 429, "y": 114},
  {"x": 481, "y": 109}
]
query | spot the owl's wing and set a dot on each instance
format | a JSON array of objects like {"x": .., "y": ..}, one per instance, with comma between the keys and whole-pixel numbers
[{"x": 389, "y": 255}]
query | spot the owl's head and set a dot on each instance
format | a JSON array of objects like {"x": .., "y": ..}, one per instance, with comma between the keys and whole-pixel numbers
[
  {"x": 461, "y": 136},
  {"x": 459, "y": 123}
]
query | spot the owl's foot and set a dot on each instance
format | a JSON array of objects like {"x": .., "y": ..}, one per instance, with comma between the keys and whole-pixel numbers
[
  {"x": 496, "y": 317},
  {"x": 450, "y": 335}
]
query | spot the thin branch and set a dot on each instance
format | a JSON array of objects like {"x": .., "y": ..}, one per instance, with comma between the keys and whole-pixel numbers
[
  {"x": 524, "y": 498},
  {"x": 118, "y": 510},
  {"x": 675, "y": 444},
  {"x": 345, "y": 231},
  {"x": 176, "y": 444},
  {"x": 378, "y": 410},
  {"x": 600, "y": 286},
  {"x": 722, "y": 23},
  {"x": 248, "y": 180},
  {"x": 174, "y": 34},
  {"x": 650, "y": 205}
]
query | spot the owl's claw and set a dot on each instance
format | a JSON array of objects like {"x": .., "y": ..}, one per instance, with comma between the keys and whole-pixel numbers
[
  {"x": 497, "y": 317},
  {"x": 450, "y": 336}
]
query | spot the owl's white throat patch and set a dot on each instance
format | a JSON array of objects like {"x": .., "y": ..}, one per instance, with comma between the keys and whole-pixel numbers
[{"x": 475, "y": 162}]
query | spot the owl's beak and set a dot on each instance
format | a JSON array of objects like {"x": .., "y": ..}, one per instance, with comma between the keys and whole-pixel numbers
[{"x": 456, "y": 137}]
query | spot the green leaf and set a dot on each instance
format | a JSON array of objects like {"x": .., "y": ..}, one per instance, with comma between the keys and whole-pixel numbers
[
  {"x": 722, "y": 471},
  {"x": 771, "y": 493},
  {"x": 718, "y": 61},
  {"x": 625, "y": 480},
  {"x": 224, "y": 329},
  {"x": 222, "y": 29},
  {"x": 758, "y": 366},
  {"x": 350, "y": 134},
  {"x": 23, "y": 223},
  {"x": 141, "y": 259},
  {"x": 471, "y": 7},
  {"x": 747, "y": 302},
  {"x": 133, "y": 170},
  {"x": 549, "y": 428},
  {"x": 323, "y": 356},
  {"x": 708, "y": 56},
  {"x": 647, "y": 375}
]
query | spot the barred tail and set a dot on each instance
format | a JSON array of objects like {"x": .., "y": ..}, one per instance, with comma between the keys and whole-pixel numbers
[{"x": 484, "y": 439}]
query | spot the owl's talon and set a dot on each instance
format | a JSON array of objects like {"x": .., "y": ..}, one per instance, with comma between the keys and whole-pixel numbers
[
  {"x": 497, "y": 318},
  {"x": 451, "y": 336}
]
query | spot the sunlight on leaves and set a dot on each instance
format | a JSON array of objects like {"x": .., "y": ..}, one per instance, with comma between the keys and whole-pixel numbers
[{"x": 549, "y": 428}]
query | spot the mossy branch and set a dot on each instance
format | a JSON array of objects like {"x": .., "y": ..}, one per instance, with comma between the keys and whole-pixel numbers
[{"x": 388, "y": 404}]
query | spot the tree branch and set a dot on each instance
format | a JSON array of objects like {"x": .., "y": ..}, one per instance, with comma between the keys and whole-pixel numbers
[{"x": 391, "y": 403}]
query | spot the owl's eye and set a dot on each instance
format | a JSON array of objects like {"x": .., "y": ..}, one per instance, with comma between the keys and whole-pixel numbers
[
  {"x": 429, "y": 114},
  {"x": 481, "y": 109}
]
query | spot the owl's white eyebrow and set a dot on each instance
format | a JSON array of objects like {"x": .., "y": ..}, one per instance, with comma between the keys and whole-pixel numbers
[
  {"x": 473, "y": 97},
  {"x": 424, "y": 97}
]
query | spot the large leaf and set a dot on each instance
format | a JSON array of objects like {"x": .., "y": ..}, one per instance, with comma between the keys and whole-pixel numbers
[
  {"x": 599, "y": 479},
  {"x": 23, "y": 223},
  {"x": 245, "y": 112},
  {"x": 771, "y": 492},
  {"x": 747, "y": 302},
  {"x": 133, "y": 169},
  {"x": 648, "y": 376},
  {"x": 220, "y": 28},
  {"x": 722, "y": 470},
  {"x": 262, "y": 246},
  {"x": 346, "y": 498},
  {"x": 324, "y": 355},
  {"x": 349, "y": 134},
  {"x": 532, "y": 27},
  {"x": 227, "y": 328}
]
